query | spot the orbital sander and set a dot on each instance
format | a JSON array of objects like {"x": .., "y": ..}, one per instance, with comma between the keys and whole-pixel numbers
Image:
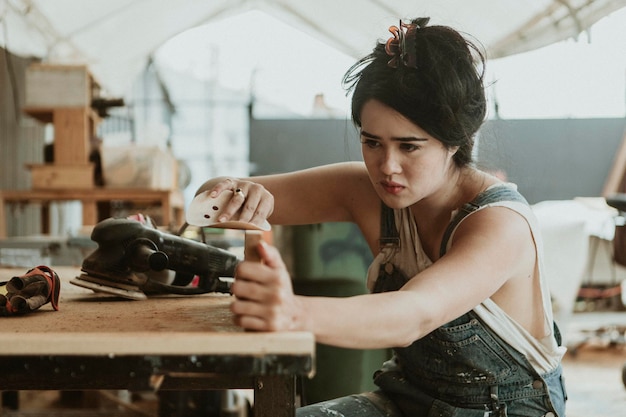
[{"x": 134, "y": 260}]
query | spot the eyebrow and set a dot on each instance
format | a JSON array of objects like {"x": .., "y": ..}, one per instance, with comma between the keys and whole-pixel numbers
[{"x": 399, "y": 139}]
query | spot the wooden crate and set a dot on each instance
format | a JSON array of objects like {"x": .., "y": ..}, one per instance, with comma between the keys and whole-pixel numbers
[
  {"x": 59, "y": 177},
  {"x": 59, "y": 86},
  {"x": 139, "y": 166}
]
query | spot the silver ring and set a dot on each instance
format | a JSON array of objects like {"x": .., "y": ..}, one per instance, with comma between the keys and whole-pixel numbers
[{"x": 239, "y": 192}]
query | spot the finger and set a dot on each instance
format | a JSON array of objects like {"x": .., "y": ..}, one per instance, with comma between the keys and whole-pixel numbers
[
  {"x": 251, "y": 323},
  {"x": 248, "y": 206},
  {"x": 221, "y": 186},
  {"x": 255, "y": 316},
  {"x": 255, "y": 271},
  {"x": 249, "y": 290},
  {"x": 232, "y": 209},
  {"x": 243, "y": 307},
  {"x": 257, "y": 203},
  {"x": 261, "y": 211},
  {"x": 270, "y": 256},
  {"x": 248, "y": 314}
]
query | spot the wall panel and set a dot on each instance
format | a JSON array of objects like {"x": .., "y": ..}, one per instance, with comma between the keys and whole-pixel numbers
[{"x": 21, "y": 142}]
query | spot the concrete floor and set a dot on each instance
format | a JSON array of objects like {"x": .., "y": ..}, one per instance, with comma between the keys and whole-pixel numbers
[
  {"x": 593, "y": 366},
  {"x": 593, "y": 379}
]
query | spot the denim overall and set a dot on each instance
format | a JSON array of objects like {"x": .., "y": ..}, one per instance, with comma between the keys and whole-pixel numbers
[{"x": 462, "y": 369}]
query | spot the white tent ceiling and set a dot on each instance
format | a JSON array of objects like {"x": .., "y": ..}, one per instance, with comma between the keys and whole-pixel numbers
[{"x": 116, "y": 37}]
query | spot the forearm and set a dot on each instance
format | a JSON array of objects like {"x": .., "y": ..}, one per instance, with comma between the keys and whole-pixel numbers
[
  {"x": 369, "y": 321},
  {"x": 313, "y": 195}
]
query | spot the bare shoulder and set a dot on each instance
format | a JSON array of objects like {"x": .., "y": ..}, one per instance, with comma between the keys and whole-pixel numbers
[
  {"x": 496, "y": 222},
  {"x": 499, "y": 236}
]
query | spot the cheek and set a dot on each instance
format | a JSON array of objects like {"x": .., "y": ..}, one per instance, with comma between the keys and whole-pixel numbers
[
  {"x": 420, "y": 174},
  {"x": 369, "y": 158},
  {"x": 426, "y": 170},
  {"x": 371, "y": 167}
]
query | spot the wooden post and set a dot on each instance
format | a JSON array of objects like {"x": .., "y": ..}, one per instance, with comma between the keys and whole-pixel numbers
[
  {"x": 251, "y": 242},
  {"x": 71, "y": 135},
  {"x": 3, "y": 219},
  {"x": 617, "y": 172},
  {"x": 90, "y": 212}
]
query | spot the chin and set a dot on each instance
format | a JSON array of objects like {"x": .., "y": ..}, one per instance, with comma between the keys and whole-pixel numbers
[{"x": 394, "y": 201}]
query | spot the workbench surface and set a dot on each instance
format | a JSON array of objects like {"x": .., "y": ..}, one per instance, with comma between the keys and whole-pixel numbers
[{"x": 94, "y": 323}]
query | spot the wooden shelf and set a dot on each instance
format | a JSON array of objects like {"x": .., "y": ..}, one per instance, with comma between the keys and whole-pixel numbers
[
  {"x": 170, "y": 201},
  {"x": 62, "y": 95},
  {"x": 46, "y": 114},
  {"x": 61, "y": 176}
]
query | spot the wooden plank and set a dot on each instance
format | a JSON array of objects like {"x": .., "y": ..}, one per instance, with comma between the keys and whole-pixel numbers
[
  {"x": 43, "y": 114},
  {"x": 154, "y": 342},
  {"x": 58, "y": 176},
  {"x": 617, "y": 172}
]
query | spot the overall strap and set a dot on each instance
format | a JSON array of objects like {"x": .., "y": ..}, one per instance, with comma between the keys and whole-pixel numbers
[
  {"x": 389, "y": 236},
  {"x": 489, "y": 196}
]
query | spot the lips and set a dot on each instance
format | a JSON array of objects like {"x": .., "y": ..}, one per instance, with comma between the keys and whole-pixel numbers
[{"x": 391, "y": 187}]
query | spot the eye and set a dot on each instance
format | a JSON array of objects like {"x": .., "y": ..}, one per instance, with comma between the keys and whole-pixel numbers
[
  {"x": 409, "y": 147},
  {"x": 370, "y": 143}
]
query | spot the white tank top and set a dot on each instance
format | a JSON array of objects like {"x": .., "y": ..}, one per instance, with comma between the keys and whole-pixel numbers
[{"x": 544, "y": 354}]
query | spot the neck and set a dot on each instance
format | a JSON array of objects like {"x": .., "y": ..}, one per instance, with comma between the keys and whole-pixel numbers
[
  {"x": 432, "y": 215},
  {"x": 464, "y": 185}
]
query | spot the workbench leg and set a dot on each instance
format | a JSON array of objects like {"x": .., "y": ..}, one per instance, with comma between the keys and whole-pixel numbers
[
  {"x": 10, "y": 400},
  {"x": 275, "y": 396},
  {"x": 191, "y": 403}
]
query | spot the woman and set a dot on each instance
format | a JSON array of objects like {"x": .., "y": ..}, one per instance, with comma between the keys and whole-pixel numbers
[{"x": 457, "y": 282}]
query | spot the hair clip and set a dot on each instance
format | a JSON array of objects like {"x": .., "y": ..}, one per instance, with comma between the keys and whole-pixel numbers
[{"x": 401, "y": 46}]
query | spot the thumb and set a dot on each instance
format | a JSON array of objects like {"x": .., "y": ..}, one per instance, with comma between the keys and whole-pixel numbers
[{"x": 270, "y": 255}]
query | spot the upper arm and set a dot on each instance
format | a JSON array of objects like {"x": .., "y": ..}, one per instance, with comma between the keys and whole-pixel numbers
[{"x": 489, "y": 248}]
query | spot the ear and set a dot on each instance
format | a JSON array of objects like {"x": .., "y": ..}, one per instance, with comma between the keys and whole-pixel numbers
[{"x": 452, "y": 150}]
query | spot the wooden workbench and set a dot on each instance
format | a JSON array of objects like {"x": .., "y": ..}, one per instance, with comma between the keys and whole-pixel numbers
[{"x": 164, "y": 343}]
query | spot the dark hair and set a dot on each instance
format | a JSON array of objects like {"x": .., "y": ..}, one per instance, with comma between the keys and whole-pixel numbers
[{"x": 441, "y": 91}]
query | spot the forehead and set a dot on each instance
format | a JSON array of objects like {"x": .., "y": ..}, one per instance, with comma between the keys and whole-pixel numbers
[{"x": 381, "y": 120}]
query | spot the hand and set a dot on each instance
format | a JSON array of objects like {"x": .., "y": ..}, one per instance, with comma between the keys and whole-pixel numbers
[
  {"x": 253, "y": 203},
  {"x": 264, "y": 296}
]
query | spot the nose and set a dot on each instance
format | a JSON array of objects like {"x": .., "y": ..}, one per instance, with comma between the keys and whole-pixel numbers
[{"x": 390, "y": 163}]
